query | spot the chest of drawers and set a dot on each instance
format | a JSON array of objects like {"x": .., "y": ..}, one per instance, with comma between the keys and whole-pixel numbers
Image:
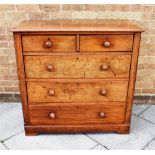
[{"x": 77, "y": 75}]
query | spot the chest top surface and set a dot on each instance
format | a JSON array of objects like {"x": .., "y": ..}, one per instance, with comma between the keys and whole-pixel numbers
[{"x": 107, "y": 25}]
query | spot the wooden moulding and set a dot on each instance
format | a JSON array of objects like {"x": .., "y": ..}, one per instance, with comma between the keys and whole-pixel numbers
[
  {"x": 21, "y": 76},
  {"x": 132, "y": 81},
  {"x": 91, "y": 128}
]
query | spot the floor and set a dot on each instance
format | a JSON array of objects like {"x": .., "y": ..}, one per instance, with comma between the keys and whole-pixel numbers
[{"x": 142, "y": 135}]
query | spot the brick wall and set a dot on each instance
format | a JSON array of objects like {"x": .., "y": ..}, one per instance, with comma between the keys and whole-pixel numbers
[{"x": 11, "y": 15}]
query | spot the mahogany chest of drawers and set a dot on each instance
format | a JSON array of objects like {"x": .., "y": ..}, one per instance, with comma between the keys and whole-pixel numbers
[{"x": 77, "y": 75}]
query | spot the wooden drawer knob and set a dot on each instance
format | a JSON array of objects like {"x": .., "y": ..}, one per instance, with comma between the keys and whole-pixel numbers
[
  {"x": 51, "y": 92},
  {"x": 52, "y": 115},
  {"x": 48, "y": 44},
  {"x": 102, "y": 114},
  {"x": 103, "y": 92},
  {"x": 50, "y": 68},
  {"x": 106, "y": 44},
  {"x": 104, "y": 67}
]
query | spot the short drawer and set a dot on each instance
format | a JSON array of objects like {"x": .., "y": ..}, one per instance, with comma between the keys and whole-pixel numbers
[
  {"x": 76, "y": 114},
  {"x": 77, "y": 91},
  {"x": 106, "y": 43},
  {"x": 49, "y": 43},
  {"x": 77, "y": 66}
]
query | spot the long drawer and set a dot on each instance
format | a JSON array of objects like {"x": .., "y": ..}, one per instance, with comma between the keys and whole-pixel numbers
[
  {"x": 91, "y": 113},
  {"x": 106, "y": 43},
  {"x": 77, "y": 91},
  {"x": 78, "y": 66}
]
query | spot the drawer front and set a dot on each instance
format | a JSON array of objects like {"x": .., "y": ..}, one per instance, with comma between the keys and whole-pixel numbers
[
  {"x": 77, "y": 91},
  {"x": 76, "y": 114},
  {"x": 49, "y": 43},
  {"x": 81, "y": 66},
  {"x": 106, "y": 43}
]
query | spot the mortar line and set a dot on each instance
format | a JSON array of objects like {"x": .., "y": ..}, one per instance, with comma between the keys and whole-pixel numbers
[
  {"x": 94, "y": 146},
  {"x": 5, "y": 146},
  {"x": 97, "y": 142},
  {"x": 148, "y": 143},
  {"x": 145, "y": 110},
  {"x": 12, "y": 136},
  {"x": 144, "y": 119},
  {"x": 142, "y": 111}
]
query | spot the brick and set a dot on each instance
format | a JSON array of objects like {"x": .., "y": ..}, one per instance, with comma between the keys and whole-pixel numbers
[
  {"x": 147, "y": 8},
  {"x": 117, "y": 7},
  {"x": 2, "y": 30},
  {"x": 95, "y": 7},
  {"x": 136, "y": 8},
  {"x": 138, "y": 79},
  {"x": 7, "y": 7},
  {"x": 2, "y": 15},
  {"x": 16, "y": 98},
  {"x": 153, "y": 8},
  {"x": 11, "y": 89},
  {"x": 145, "y": 45},
  {"x": 144, "y": 85},
  {"x": 9, "y": 77},
  {"x": 148, "y": 91},
  {"x": 84, "y": 15},
  {"x": 7, "y": 52},
  {"x": 143, "y": 52},
  {"x": 150, "y": 60},
  {"x": 6, "y": 83},
  {"x": 38, "y": 15},
  {"x": 27, "y": 7},
  {"x": 152, "y": 100},
  {"x": 6, "y": 97},
  {"x": 15, "y": 16},
  {"x": 4, "y": 70},
  {"x": 141, "y": 66},
  {"x": 138, "y": 91},
  {"x": 7, "y": 60},
  {"x": 61, "y": 15},
  {"x": 11, "y": 44},
  {"x": 49, "y": 7},
  {"x": 6, "y": 37},
  {"x": 72, "y": 7},
  {"x": 1, "y": 89},
  {"x": 139, "y": 99},
  {"x": 147, "y": 75},
  {"x": 3, "y": 38},
  {"x": 3, "y": 44},
  {"x": 118, "y": 15},
  {"x": 151, "y": 66},
  {"x": 148, "y": 16}
]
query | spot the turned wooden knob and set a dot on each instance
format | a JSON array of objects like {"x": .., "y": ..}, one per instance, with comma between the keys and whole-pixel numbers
[
  {"x": 104, "y": 67},
  {"x": 102, "y": 114},
  {"x": 48, "y": 44},
  {"x": 106, "y": 44},
  {"x": 51, "y": 92},
  {"x": 103, "y": 92},
  {"x": 50, "y": 68},
  {"x": 52, "y": 115}
]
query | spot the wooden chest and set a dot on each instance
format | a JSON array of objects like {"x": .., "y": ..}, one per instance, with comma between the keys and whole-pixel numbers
[{"x": 77, "y": 75}]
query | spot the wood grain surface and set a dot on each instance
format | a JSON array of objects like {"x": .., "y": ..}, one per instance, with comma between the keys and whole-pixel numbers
[
  {"x": 77, "y": 66},
  {"x": 77, "y": 91},
  {"x": 82, "y": 25},
  {"x": 96, "y": 43},
  {"x": 61, "y": 43},
  {"x": 77, "y": 114}
]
